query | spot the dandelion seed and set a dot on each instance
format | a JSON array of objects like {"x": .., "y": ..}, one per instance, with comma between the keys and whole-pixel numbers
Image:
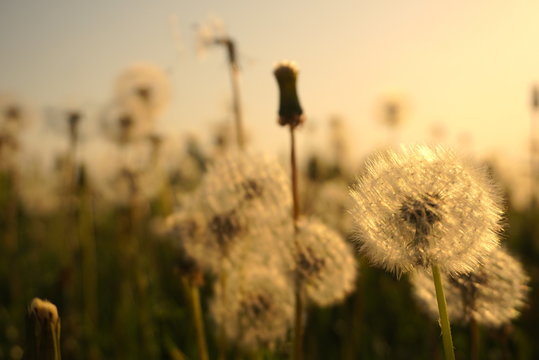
[
  {"x": 255, "y": 307},
  {"x": 422, "y": 206},
  {"x": 324, "y": 263},
  {"x": 492, "y": 295}
]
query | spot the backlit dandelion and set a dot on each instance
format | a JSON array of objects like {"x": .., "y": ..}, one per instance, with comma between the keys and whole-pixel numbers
[
  {"x": 422, "y": 206},
  {"x": 492, "y": 295},
  {"x": 255, "y": 308},
  {"x": 124, "y": 122},
  {"x": 145, "y": 84},
  {"x": 15, "y": 114},
  {"x": 324, "y": 263}
]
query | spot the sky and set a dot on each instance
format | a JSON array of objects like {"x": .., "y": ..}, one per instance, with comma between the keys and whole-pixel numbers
[{"x": 466, "y": 67}]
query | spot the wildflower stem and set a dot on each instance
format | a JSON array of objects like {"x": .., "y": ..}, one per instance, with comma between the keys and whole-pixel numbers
[
  {"x": 236, "y": 103},
  {"x": 474, "y": 339},
  {"x": 298, "y": 310},
  {"x": 202, "y": 348},
  {"x": 444, "y": 318}
]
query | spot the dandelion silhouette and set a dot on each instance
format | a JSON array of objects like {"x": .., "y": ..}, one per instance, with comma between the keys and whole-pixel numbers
[{"x": 492, "y": 295}]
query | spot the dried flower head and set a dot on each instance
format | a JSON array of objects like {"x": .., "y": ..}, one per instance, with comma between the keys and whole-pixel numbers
[
  {"x": 324, "y": 263},
  {"x": 145, "y": 84},
  {"x": 492, "y": 295},
  {"x": 290, "y": 111},
  {"x": 255, "y": 307},
  {"x": 421, "y": 206}
]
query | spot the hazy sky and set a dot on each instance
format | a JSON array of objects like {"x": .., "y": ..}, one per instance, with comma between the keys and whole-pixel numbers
[{"x": 466, "y": 65}]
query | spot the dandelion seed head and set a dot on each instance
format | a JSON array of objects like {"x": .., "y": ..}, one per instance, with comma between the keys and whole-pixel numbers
[
  {"x": 324, "y": 263},
  {"x": 145, "y": 84},
  {"x": 124, "y": 122},
  {"x": 255, "y": 308},
  {"x": 423, "y": 205},
  {"x": 253, "y": 185},
  {"x": 493, "y": 294}
]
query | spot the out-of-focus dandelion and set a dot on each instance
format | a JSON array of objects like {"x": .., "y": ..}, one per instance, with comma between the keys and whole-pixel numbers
[
  {"x": 493, "y": 294},
  {"x": 241, "y": 195},
  {"x": 147, "y": 85},
  {"x": 124, "y": 122},
  {"x": 253, "y": 185},
  {"x": 212, "y": 33},
  {"x": 324, "y": 263},
  {"x": 290, "y": 111},
  {"x": 423, "y": 207},
  {"x": 43, "y": 332},
  {"x": 255, "y": 307},
  {"x": 15, "y": 114}
]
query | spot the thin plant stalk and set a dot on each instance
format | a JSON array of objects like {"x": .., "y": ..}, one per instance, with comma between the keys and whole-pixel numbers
[
  {"x": 474, "y": 339},
  {"x": 444, "y": 318},
  {"x": 198, "y": 320},
  {"x": 236, "y": 104},
  {"x": 298, "y": 309}
]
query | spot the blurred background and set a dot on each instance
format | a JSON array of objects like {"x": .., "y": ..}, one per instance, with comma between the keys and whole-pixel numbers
[{"x": 371, "y": 75}]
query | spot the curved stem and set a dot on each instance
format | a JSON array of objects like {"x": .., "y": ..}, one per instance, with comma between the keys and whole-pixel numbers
[{"x": 444, "y": 318}]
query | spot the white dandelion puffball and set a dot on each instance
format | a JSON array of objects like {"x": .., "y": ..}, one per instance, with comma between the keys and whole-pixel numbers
[
  {"x": 147, "y": 84},
  {"x": 254, "y": 308},
  {"x": 324, "y": 262},
  {"x": 422, "y": 206},
  {"x": 492, "y": 295},
  {"x": 253, "y": 185}
]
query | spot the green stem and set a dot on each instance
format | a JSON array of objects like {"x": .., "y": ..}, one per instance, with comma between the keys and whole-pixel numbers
[
  {"x": 444, "y": 318},
  {"x": 199, "y": 323}
]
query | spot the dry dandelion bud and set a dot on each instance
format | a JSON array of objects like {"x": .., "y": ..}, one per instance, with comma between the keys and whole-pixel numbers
[
  {"x": 43, "y": 333},
  {"x": 422, "y": 206},
  {"x": 324, "y": 263},
  {"x": 290, "y": 111},
  {"x": 492, "y": 295},
  {"x": 254, "y": 308}
]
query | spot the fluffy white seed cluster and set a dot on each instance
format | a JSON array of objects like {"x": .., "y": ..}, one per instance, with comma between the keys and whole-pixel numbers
[
  {"x": 243, "y": 200},
  {"x": 254, "y": 307},
  {"x": 422, "y": 205},
  {"x": 145, "y": 84},
  {"x": 324, "y": 263},
  {"x": 492, "y": 295}
]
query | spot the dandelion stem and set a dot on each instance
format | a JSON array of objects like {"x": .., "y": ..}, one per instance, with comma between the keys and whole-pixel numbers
[
  {"x": 474, "y": 339},
  {"x": 202, "y": 348},
  {"x": 444, "y": 318},
  {"x": 298, "y": 310},
  {"x": 236, "y": 102}
]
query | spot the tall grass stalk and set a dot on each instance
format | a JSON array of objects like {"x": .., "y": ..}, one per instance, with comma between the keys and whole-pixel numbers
[{"x": 444, "y": 318}]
